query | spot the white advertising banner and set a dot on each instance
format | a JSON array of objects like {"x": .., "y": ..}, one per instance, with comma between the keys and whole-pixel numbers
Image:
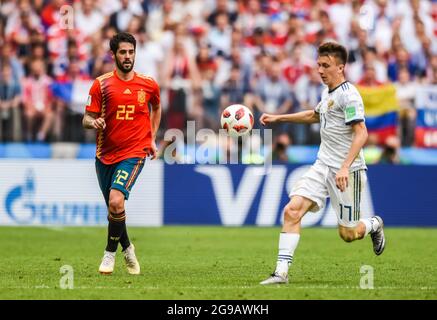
[{"x": 66, "y": 192}]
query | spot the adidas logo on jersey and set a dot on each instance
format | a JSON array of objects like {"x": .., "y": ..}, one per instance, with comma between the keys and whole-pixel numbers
[{"x": 127, "y": 91}]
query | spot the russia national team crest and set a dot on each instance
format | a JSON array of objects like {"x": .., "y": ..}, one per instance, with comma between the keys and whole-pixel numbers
[
  {"x": 141, "y": 97},
  {"x": 330, "y": 104}
]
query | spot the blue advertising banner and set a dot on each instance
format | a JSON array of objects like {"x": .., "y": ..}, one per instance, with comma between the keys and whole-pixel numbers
[
  {"x": 238, "y": 195},
  {"x": 404, "y": 195},
  {"x": 66, "y": 192}
]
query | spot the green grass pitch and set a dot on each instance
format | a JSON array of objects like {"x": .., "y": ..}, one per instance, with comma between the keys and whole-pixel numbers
[{"x": 191, "y": 263}]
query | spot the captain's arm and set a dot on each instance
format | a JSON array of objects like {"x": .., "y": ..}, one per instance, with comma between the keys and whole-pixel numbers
[
  {"x": 155, "y": 118},
  {"x": 91, "y": 120}
]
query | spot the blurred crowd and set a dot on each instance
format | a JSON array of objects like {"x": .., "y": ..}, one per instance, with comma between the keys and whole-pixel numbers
[{"x": 206, "y": 54}]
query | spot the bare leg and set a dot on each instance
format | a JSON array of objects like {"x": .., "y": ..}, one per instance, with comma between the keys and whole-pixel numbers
[
  {"x": 373, "y": 225},
  {"x": 294, "y": 212}
]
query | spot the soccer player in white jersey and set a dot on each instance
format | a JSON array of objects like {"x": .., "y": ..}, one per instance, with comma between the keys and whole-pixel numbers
[{"x": 339, "y": 171}]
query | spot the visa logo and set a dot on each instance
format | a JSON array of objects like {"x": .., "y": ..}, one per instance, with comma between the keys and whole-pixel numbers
[{"x": 234, "y": 206}]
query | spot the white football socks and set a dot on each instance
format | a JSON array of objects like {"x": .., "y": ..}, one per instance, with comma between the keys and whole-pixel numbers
[
  {"x": 287, "y": 244},
  {"x": 371, "y": 224}
]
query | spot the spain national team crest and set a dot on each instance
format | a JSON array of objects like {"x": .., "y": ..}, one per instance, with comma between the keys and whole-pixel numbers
[{"x": 141, "y": 97}]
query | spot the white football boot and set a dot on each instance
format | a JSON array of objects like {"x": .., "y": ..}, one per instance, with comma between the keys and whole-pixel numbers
[
  {"x": 108, "y": 263},
  {"x": 132, "y": 265},
  {"x": 276, "y": 278},
  {"x": 378, "y": 237}
]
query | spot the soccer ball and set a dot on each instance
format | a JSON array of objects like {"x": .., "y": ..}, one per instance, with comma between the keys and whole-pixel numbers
[{"x": 237, "y": 120}]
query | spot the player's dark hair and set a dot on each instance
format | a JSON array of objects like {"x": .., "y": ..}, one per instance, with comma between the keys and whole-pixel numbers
[
  {"x": 121, "y": 37},
  {"x": 335, "y": 50}
]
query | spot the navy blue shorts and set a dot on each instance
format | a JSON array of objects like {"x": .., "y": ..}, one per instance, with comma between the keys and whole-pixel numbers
[{"x": 120, "y": 176}]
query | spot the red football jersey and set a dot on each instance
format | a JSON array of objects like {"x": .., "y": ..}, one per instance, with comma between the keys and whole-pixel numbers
[{"x": 124, "y": 106}]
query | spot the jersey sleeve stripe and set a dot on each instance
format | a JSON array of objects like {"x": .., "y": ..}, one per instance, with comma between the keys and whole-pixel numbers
[
  {"x": 105, "y": 76},
  {"x": 354, "y": 121},
  {"x": 100, "y": 137},
  {"x": 354, "y": 192},
  {"x": 142, "y": 76},
  {"x": 360, "y": 172}
]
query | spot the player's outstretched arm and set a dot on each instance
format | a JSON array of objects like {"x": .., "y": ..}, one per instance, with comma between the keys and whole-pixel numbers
[
  {"x": 307, "y": 116},
  {"x": 93, "y": 121}
]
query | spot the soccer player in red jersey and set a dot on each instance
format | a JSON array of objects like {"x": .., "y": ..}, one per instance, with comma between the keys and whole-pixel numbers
[{"x": 118, "y": 109}]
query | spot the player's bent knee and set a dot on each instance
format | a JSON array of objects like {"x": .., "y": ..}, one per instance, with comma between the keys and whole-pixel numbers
[
  {"x": 292, "y": 214},
  {"x": 116, "y": 202},
  {"x": 116, "y": 206}
]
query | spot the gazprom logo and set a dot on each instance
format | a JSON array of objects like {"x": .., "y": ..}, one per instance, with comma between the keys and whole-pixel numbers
[
  {"x": 18, "y": 203},
  {"x": 23, "y": 206}
]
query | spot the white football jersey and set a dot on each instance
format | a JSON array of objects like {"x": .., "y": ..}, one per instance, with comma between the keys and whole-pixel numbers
[{"x": 338, "y": 109}]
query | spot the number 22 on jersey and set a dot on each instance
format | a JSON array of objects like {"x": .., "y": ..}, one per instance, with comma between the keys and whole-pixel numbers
[{"x": 125, "y": 112}]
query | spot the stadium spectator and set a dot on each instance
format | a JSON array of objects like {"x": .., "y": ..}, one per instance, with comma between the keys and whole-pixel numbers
[
  {"x": 401, "y": 59},
  {"x": 340, "y": 13},
  {"x": 150, "y": 54},
  {"x": 260, "y": 65},
  {"x": 88, "y": 19},
  {"x": 50, "y": 12},
  {"x": 251, "y": 17},
  {"x": 220, "y": 36},
  {"x": 390, "y": 152},
  {"x": 63, "y": 90},
  {"x": 369, "y": 57},
  {"x": 161, "y": 16},
  {"x": 38, "y": 103},
  {"x": 206, "y": 61},
  {"x": 25, "y": 27},
  {"x": 359, "y": 44},
  {"x": 406, "y": 93},
  {"x": 223, "y": 7},
  {"x": 294, "y": 66},
  {"x": 308, "y": 91},
  {"x": 369, "y": 77},
  {"x": 233, "y": 91},
  {"x": 64, "y": 44},
  {"x": 192, "y": 11},
  {"x": 393, "y": 35},
  {"x": 120, "y": 19},
  {"x": 8, "y": 56},
  {"x": 279, "y": 154},
  {"x": 98, "y": 56},
  {"x": 10, "y": 99},
  {"x": 411, "y": 11},
  {"x": 420, "y": 56},
  {"x": 210, "y": 99},
  {"x": 272, "y": 93},
  {"x": 181, "y": 78},
  {"x": 379, "y": 25}
]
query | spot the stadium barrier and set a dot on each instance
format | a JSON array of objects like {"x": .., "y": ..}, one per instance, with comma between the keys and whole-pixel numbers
[
  {"x": 296, "y": 154},
  {"x": 66, "y": 192}
]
